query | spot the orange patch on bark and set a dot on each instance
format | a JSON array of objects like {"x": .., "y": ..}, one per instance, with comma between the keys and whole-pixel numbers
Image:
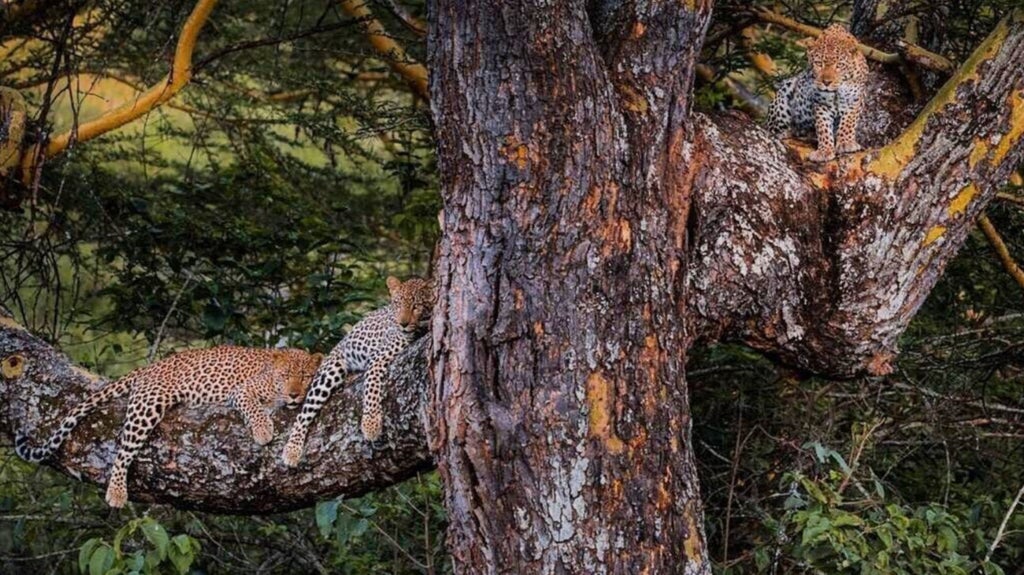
[
  {"x": 516, "y": 152},
  {"x": 819, "y": 180},
  {"x": 520, "y": 300},
  {"x": 599, "y": 402},
  {"x": 934, "y": 234},
  {"x": 962, "y": 199}
]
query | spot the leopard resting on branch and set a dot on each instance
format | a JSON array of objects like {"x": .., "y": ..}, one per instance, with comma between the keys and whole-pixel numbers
[
  {"x": 371, "y": 345},
  {"x": 252, "y": 377}
]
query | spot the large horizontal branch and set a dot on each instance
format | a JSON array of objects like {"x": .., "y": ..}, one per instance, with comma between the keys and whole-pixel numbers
[{"x": 204, "y": 457}]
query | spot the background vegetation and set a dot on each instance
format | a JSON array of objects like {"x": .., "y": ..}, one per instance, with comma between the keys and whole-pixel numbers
[{"x": 265, "y": 204}]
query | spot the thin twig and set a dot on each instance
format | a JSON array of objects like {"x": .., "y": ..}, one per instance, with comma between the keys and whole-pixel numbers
[
  {"x": 387, "y": 537},
  {"x": 1001, "y": 250},
  {"x": 1002, "y": 526},
  {"x": 163, "y": 324}
]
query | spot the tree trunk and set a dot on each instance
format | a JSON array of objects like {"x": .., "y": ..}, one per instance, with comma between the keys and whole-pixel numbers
[{"x": 560, "y": 415}]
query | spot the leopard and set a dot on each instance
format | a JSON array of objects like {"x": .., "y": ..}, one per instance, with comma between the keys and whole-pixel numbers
[
  {"x": 370, "y": 346},
  {"x": 251, "y": 378},
  {"x": 826, "y": 99}
]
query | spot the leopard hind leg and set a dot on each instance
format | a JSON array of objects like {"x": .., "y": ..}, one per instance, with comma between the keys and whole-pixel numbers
[{"x": 145, "y": 411}]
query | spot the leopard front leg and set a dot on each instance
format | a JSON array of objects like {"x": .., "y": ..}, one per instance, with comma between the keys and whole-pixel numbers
[
  {"x": 373, "y": 396},
  {"x": 255, "y": 416},
  {"x": 140, "y": 420},
  {"x": 328, "y": 378},
  {"x": 847, "y": 138},
  {"x": 823, "y": 116}
]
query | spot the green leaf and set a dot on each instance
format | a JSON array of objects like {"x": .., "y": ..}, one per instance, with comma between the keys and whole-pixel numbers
[
  {"x": 157, "y": 535},
  {"x": 761, "y": 559},
  {"x": 817, "y": 527},
  {"x": 183, "y": 543},
  {"x": 85, "y": 552},
  {"x": 136, "y": 562},
  {"x": 886, "y": 536},
  {"x": 326, "y": 514},
  {"x": 360, "y": 527},
  {"x": 182, "y": 559},
  {"x": 846, "y": 519},
  {"x": 947, "y": 539},
  {"x": 102, "y": 560},
  {"x": 123, "y": 532}
]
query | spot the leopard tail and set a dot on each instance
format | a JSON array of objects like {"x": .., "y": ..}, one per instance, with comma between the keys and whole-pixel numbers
[{"x": 110, "y": 392}]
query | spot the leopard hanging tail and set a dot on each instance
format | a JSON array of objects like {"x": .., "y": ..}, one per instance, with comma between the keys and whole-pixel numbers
[{"x": 112, "y": 391}]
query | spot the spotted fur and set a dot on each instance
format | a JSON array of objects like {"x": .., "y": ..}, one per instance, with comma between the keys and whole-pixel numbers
[
  {"x": 251, "y": 377},
  {"x": 826, "y": 99},
  {"x": 369, "y": 347}
]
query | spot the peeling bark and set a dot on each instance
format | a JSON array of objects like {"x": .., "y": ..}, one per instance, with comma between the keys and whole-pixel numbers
[{"x": 204, "y": 457}]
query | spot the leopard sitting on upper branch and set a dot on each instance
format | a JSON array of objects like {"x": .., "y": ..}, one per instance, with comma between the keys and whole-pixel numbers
[
  {"x": 825, "y": 99},
  {"x": 252, "y": 377}
]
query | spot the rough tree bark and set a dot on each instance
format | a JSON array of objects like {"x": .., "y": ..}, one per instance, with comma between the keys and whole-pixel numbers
[
  {"x": 594, "y": 230},
  {"x": 560, "y": 412}
]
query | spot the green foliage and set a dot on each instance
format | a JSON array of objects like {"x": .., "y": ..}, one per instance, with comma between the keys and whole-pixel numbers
[
  {"x": 141, "y": 546},
  {"x": 869, "y": 535}
]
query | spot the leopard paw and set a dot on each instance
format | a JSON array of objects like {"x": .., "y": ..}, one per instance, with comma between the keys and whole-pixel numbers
[
  {"x": 821, "y": 156},
  {"x": 263, "y": 433},
  {"x": 848, "y": 147},
  {"x": 371, "y": 427},
  {"x": 117, "y": 495},
  {"x": 292, "y": 453}
]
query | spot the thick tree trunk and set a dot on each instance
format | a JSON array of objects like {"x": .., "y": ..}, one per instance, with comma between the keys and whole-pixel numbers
[
  {"x": 560, "y": 414},
  {"x": 573, "y": 178}
]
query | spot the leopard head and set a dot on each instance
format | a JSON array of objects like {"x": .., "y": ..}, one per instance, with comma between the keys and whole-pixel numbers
[
  {"x": 413, "y": 302},
  {"x": 297, "y": 368},
  {"x": 832, "y": 56}
]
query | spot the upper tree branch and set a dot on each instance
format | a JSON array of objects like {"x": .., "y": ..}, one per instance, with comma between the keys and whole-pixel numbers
[
  {"x": 825, "y": 265},
  {"x": 404, "y": 65},
  {"x": 159, "y": 93},
  {"x": 205, "y": 458}
]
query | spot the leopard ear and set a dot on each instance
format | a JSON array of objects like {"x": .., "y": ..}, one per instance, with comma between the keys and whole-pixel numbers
[
  {"x": 316, "y": 359},
  {"x": 393, "y": 284},
  {"x": 806, "y": 43}
]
